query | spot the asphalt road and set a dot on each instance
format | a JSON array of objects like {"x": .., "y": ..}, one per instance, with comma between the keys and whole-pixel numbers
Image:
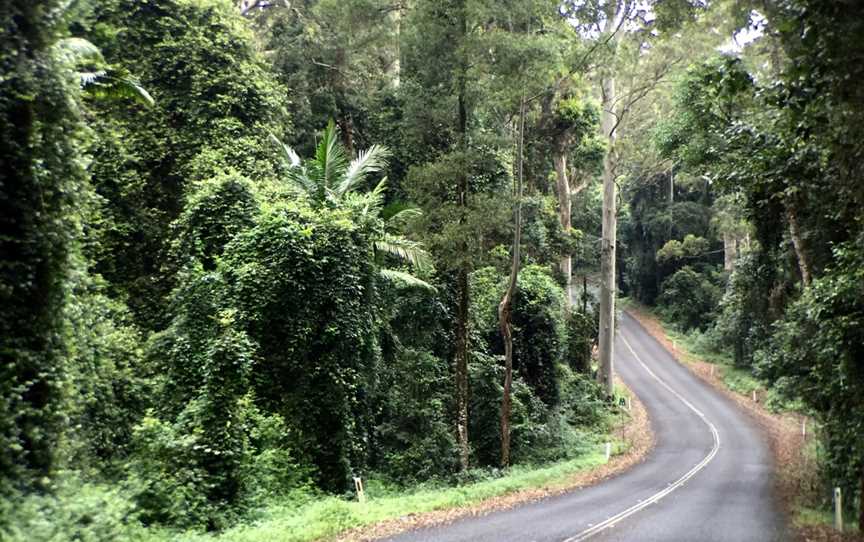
[{"x": 708, "y": 478}]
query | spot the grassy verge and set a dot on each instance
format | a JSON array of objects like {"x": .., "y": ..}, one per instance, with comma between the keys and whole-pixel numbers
[
  {"x": 328, "y": 516},
  {"x": 308, "y": 518},
  {"x": 812, "y": 517}
]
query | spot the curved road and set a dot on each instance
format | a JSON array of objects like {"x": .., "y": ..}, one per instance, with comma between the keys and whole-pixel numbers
[{"x": 708, "y": 478}]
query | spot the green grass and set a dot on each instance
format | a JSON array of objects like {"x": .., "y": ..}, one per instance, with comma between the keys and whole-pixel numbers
[
  {"x": 805, "y": 516},
  {"x": 325, "y": 517},
  {"x": 329, "y": 516}
]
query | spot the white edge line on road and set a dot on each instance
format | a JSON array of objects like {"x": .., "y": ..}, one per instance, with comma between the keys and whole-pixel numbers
[{"x": 584, "y": 535}]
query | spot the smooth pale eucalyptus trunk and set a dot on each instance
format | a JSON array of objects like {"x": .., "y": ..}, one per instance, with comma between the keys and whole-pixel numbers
[
  {"x": 564, "y": 211},
  {"x": 396, "y": 65},
  {"x": 609, "y": 123},
  {"x": 607, "y": 244},
  {"x": 505, "y": 308},
  {"x": 730, "y": 251},
  {"x": 798, "y": 243}
]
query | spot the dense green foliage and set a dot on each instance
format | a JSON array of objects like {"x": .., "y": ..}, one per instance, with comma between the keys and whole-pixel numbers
[
  {"x": 247, "y": 257},
  {"x": 42, "y": 174},
  {"x": 214, "y": 100},
  {"x": 207, "y": 321},
  {"x": 772, "y": 133}
]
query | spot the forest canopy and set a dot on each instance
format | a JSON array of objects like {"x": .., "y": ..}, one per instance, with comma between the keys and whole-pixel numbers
[{"x": 253, "y": 250}]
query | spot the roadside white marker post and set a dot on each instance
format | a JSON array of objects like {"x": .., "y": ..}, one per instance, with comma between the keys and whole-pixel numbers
[
  {"x": 712, "y": 369},
  {"x": 358, "y": 487},
  {"x": 754, "y": 396},
  {"x": 804, "y": 428},
  {"x": 608, "y": 450},
  {"x": 838, "y": 510},
  {"x": 629, "y": 405}
]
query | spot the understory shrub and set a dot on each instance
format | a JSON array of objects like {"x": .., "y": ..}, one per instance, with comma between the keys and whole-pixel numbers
[
  {"x": 415, "y": 439},
  {"x": 539, "y": 327},
  {"x": 72, "y": 510},
  {"x": 689, "y": 297}
]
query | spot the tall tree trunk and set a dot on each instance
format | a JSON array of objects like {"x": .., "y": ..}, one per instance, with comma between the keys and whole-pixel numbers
[
  {"x": 861, "y": 503},
  {"x": 463, "y": 292},
  {"x": 801, "y": 252},
  {"x": 505, "y": 308},
  {"x": 730, "y": 251},
  {"x": 395, "y": 67},
  {"x": 607, "y": 245},
  {"x": 462, "y": 367},
  {"x": 564, "y": 208},
  {"x": 609, "y": 124}
]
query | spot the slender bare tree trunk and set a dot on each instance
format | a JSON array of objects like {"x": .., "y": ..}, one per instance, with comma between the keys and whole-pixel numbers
[
  {"x": 462, "y": 368},
  {"x": 396, "y": 66},
  {"x": 798, "y": 243},
  {"x": 564, "y": 208},
  {"x": 607, "y": 244},
  {"x": 505, "y": 308},
  {"x": 730, "y": 251},
  {"x": 462, "y": 285}
]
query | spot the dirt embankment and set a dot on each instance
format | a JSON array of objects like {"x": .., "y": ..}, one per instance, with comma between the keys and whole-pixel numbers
[
  {"x": 796, "y": 473},
  {"x": 635, "y": 432}
]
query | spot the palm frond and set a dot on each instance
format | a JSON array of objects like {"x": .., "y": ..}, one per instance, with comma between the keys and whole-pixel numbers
[
  {"x": 364, "y": 204},
  {"x": 289, "y": 156},
  {"x": 406, "y": 279},
  {"x": 404, "y": 249},
  {"x": 97, "y": 78},
  {"x": 368, "y": 161},
  {"x": 299, "y": 181},
  {"x": 375, "y": 198},
  {"x": 115, "y": 84},
  {"x": 330, "y": 156},
  {"x": 404, "y": 216},
  {"x": 89, "y": 78}
]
